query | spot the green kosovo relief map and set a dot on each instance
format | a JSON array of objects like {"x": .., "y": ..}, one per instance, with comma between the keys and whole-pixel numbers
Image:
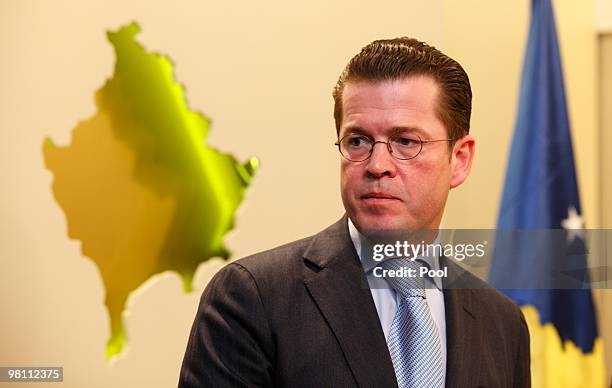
[{"x": 139, "y": 186}]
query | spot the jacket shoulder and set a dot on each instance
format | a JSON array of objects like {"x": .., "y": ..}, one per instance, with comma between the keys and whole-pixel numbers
[{"x": 276, "y": 259}]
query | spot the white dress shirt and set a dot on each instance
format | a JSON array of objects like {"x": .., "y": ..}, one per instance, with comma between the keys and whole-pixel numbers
[{"x": 385, "y": 299}]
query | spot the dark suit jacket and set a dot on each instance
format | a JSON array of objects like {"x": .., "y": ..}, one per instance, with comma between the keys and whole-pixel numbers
[{"x": 300, "y": 316}]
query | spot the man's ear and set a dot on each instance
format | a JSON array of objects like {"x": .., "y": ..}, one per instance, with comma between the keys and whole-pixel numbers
[{"x": 461, "y": 160}]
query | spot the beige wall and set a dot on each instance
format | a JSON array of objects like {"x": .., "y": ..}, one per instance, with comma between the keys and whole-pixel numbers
[
  {"x": 603, "y": 15},
  {"x": 605, "y": 145},
  {"x": 262, "y": 71},
  {"x": 605, "y": 129}
]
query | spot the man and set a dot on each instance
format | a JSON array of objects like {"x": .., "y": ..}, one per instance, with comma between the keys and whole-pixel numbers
[{"x": 300, "y": 315}]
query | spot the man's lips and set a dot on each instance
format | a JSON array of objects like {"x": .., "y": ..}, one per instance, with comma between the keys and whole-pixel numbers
[{"x": 378, "y": 196}]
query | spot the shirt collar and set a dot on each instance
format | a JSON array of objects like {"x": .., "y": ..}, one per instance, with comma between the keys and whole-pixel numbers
[{"x": 357, "y": 238}]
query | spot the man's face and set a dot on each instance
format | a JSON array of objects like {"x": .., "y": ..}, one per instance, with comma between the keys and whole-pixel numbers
[{"x": 383, "y": 193}]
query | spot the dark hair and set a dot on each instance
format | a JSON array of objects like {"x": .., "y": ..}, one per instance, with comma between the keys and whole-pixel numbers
[{"x": 392, "y": 59}]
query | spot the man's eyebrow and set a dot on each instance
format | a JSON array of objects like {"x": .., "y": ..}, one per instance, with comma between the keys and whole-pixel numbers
[
  {"x": 407, "y": 129},
  {"x": 390, "y": 131},
  {"x": 355, "y": 129}
]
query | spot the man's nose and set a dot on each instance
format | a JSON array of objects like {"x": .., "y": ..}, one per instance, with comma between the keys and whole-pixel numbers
[{"x": 381, "y": 162}]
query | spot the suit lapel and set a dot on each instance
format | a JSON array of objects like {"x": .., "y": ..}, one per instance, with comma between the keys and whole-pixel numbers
[
  {"x": 462, "y": 336},
  {"x": 339, "y": 288}
]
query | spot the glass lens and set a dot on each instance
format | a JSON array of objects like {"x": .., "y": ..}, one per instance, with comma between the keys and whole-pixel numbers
[
  {"x": 405, "y": 146},
  {"x": 356, "y": 147}
]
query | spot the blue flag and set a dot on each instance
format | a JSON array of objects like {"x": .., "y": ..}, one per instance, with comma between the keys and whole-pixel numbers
[{"x": 540, "y": 195}]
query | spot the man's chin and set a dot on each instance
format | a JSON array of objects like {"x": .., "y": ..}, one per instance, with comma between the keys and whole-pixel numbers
[{"x": 379, "y": 223}]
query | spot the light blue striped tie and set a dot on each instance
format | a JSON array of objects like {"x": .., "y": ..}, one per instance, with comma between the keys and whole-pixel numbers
[{"x": 413, "y": 341}]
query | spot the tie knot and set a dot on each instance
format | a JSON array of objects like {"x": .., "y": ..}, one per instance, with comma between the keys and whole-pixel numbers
[{"x": 403, "y": 275}]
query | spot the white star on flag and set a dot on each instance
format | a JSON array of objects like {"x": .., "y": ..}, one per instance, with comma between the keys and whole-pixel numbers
[{"x": 574, "y": 224}]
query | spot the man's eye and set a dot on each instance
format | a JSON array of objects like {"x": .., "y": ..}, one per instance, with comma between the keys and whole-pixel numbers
[
  {"x": 357, "y": 141},
  {"x": 406, "y": 141}
]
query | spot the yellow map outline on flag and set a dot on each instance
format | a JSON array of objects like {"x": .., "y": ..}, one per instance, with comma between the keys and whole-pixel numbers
[{"x": 557, "y": 366}]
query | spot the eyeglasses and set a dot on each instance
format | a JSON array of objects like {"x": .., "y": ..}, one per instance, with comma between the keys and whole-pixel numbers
[{"x": 357, "y": 148}]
